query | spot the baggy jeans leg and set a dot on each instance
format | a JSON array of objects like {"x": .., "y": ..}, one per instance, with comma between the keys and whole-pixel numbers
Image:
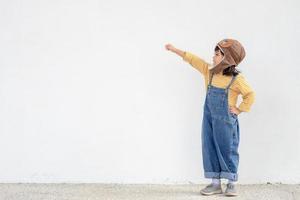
[
  {"x": 226, "y": 143},
  {"x": 209, "y": 152}
]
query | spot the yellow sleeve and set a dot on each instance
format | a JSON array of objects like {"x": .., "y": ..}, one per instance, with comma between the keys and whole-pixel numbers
[
  {"x": 247, "y": 93},
  {"x": 196, "y": 62}
]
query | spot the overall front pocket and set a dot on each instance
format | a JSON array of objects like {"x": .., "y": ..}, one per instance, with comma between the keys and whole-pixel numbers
[{"x": 216, "y": 101}]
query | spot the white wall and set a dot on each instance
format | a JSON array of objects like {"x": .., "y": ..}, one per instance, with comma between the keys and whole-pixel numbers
[{"x": 89, "y": 94}]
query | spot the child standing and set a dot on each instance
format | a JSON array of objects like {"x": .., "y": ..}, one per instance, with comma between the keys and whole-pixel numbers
[{"x": 220, "y": 125}]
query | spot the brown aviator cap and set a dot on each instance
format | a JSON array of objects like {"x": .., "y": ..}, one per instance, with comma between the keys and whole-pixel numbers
[{"x": 234, "y": 53}]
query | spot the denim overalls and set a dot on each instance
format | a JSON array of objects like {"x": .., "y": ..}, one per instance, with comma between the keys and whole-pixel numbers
[{"x": 220, "y": 135}]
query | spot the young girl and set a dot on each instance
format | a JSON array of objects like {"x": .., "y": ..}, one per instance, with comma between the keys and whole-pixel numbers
[{"x": 220, "y": 125}]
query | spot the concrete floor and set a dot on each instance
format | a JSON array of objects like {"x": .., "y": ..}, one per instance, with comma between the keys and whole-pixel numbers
[{"x": 34, "y": 191}]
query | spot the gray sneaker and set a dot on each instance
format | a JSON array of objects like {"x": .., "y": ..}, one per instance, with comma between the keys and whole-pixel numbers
[
  {"x": 211, "y": 189},
  {"x": 230, "y": 190}
]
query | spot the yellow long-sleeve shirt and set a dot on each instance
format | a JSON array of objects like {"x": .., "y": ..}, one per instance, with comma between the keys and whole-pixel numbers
[{"x": 239, "y": 85}]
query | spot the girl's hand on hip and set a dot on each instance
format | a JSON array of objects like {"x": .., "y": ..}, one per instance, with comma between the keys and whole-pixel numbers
[{"x": 234, "y": 110}]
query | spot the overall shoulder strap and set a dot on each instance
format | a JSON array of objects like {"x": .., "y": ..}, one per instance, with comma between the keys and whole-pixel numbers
[
  {"x": 233, "y": 78},
  {"x": 211, "y": 74}
]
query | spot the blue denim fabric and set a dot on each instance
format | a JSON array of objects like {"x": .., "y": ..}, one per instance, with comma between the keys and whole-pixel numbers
[{"x": 220, "y": 135}]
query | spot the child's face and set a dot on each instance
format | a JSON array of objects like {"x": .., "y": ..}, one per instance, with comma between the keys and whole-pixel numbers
[{"x": 217, "y": 58}]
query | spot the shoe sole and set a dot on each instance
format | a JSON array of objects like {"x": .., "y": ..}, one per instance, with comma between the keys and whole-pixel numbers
[
  {"x": 230, "y": 194},
  {"x": 211, "y": 193}
]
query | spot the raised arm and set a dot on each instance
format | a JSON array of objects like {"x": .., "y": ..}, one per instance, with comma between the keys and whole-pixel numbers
[
  {"x": 179, "y": 52},
  {"x": 192, "y": 59}
]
